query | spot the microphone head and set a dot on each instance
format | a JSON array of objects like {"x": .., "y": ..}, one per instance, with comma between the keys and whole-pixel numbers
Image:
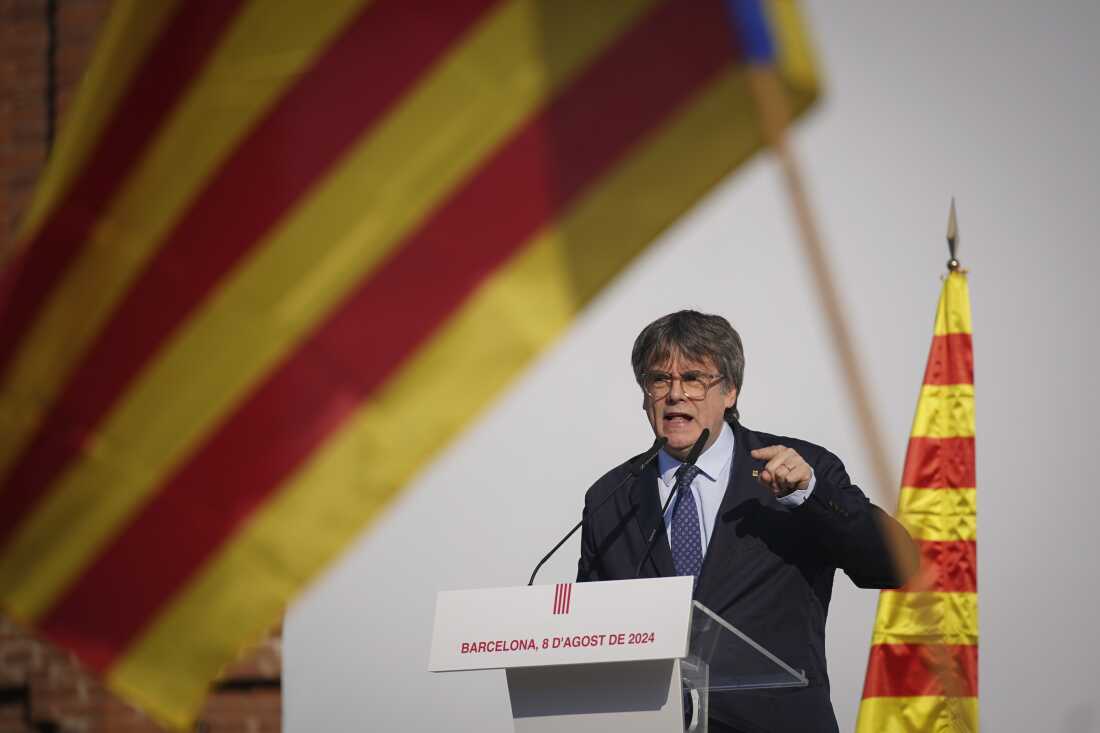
[
  {"x": 638, "y": 464},
  {"x": 697, "y": 449}
]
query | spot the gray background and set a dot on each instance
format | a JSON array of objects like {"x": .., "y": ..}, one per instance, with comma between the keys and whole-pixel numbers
[{"x": 993, "y": 102}]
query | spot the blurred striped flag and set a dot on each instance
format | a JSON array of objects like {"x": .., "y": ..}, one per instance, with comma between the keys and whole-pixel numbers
[
  {"x": 922, "y": 674},
  {"x": 286, "y": 251}
]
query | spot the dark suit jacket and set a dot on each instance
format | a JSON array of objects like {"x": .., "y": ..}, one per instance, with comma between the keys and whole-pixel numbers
[{"x": 768, "y": 569}]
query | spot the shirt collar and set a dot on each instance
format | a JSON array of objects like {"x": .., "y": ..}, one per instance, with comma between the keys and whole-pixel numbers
[{"x": 710, "y": 464}]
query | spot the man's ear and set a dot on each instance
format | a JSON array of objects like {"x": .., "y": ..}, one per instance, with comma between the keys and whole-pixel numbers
[{"x": 731, "y": 398}]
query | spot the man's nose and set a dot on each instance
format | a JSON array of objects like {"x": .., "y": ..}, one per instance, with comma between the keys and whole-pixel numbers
[{"x": 676, "y": 390}]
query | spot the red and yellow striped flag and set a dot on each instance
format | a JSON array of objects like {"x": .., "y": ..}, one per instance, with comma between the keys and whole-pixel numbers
[
  {"x": 286, "y": 251},
  {"x": 922, "y": 675}
]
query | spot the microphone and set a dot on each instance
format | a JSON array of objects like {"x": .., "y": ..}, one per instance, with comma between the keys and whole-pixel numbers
[
  {"x": 692, "y": 457},
  {"x": 697, "y": 449},
  {"x": 634, "y": 470},
  {"x": 638, "y": 464}
]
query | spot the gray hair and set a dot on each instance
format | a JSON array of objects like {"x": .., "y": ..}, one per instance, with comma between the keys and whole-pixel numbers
[{"x": 695, "y": 336}]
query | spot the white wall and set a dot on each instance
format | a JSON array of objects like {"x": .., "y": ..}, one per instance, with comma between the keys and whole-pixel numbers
[{"x": 994, "y": 102}]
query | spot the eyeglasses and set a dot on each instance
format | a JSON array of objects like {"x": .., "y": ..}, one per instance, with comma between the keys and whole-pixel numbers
[{"x": 694, "y": 385}]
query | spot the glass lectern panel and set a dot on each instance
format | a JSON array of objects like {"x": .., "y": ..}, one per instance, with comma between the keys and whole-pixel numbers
[{"x": 733, "y": 660}]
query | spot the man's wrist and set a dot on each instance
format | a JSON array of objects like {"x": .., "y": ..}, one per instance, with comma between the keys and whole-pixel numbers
[{"x": 799, "y": 496}]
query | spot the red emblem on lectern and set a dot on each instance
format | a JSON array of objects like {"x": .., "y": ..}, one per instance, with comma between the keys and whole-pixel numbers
[{"x": 563, "y": 595}]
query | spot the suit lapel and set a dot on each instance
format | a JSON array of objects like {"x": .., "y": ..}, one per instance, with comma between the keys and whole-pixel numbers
[
  {"x": 722, "y": 555},
  {"x": 645, "y": 496}
]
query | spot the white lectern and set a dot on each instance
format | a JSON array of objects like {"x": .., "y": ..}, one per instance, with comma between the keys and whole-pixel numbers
[{"x": 629, "y": 655}]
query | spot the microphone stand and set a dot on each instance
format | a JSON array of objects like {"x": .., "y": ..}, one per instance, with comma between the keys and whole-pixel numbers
[{"x": 634, "y": 471}]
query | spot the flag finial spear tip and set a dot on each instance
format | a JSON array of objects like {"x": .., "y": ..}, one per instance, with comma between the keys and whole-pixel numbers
[{"x": 952, "y": 238}]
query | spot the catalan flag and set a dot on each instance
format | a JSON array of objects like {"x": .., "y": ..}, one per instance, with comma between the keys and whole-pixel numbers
[
  {"x": 922, "y": 675},
  {"x": 285, "y": 251}
]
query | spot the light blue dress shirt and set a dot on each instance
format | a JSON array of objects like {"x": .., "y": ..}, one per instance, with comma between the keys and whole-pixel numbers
[{"x": 709, "y": 486}]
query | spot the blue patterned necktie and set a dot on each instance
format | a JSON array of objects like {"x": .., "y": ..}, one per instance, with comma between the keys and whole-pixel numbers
[{"x": 687, "y": 545}]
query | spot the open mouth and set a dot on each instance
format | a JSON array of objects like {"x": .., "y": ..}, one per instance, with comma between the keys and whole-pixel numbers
[{"x": 677, "y": 418}]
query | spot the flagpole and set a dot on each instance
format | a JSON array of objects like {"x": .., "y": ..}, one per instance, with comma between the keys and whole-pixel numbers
[
  {"x": 953, "y": 240},
  {"x": 773, "y": 114},
  {"x": 942, "y": 665},
  {"x": 950, "y": 678}
]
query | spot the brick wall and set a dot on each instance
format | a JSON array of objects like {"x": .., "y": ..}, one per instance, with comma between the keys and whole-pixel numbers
[
  {"x": 43, "y": 688},
  {"x": 24, "y": 43}
]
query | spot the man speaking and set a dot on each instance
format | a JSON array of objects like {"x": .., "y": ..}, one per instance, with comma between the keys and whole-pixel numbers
[{"x": 762, "y": 522}]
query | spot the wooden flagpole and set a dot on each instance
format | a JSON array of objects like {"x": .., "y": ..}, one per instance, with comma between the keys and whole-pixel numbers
[{"x": 773, "y": 112}]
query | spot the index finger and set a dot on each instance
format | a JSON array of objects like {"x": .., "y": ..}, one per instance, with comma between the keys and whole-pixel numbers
[{"x": 768, "y": 452}]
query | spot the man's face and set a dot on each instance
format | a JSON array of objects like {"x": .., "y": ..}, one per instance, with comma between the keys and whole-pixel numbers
[{"x": 680, "y": 419}]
